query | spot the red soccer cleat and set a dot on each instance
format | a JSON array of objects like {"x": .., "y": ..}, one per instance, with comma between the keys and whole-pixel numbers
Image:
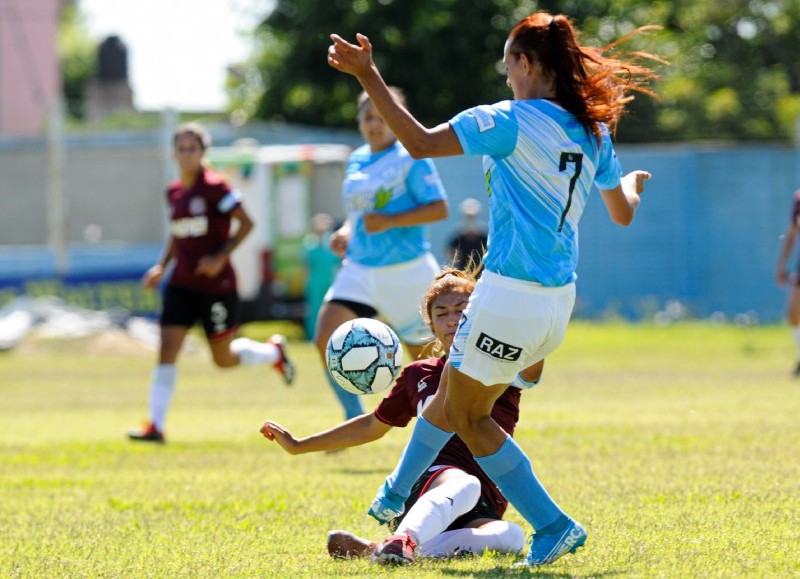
[
  {"x": 396, "y": 550},
  {"x": 148, "y": 433},
  {"x": 283, "y": 365}
]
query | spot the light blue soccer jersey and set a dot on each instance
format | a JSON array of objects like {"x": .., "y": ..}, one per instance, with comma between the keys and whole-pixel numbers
[
  {"x": 390, "y": 181},
  {"x": 540, "y": 165}
]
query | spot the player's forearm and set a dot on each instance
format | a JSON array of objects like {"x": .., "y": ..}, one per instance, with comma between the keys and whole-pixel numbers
[
  {"x": 354, "y": 432},
  {"x": 169, "y": 253},
  {"x": 428, "y": 213},
  {"x": 242, "y": 231},
  {"x": 403, "y": 124}
]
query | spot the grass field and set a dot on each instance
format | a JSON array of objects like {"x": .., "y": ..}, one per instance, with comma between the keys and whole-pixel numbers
[{"x": 678, "y": 448}]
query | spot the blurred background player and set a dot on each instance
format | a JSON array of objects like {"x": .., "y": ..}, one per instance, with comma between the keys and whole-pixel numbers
[
  {"x": 202, "y": 285},
  {"x": 454, "y": 507},
  {"x": 469, "y": 242},
  {"x": 321, "y": 267},
  {"x": 388, "y": 196},
  {"x": 792, "y": 278}
]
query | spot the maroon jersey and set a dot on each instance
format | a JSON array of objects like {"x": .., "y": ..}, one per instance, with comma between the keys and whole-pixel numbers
[
  {"x": 200, "y": 223},
  {"x": 796, "y": 208},
  {"x": 420, "y": 380}
]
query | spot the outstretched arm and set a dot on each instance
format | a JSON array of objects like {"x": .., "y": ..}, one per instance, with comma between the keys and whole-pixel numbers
[
  {"x": 356, "y": 60},
  {"x": 358, "y": 430}
]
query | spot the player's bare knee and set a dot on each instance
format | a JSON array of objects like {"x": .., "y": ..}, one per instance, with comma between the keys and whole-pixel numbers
[{"x": 472, "y": 486}]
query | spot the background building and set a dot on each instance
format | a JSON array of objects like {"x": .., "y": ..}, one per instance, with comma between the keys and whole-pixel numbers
[{"x": 30, "y": 78}]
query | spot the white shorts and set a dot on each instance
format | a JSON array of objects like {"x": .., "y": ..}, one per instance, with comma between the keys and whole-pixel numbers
[
  {"x": 508, "y": 325},
  {"x": 395, "y": 291}
]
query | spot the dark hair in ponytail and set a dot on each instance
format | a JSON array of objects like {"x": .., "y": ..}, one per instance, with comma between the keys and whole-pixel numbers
[{"x": 589, "y": 82}]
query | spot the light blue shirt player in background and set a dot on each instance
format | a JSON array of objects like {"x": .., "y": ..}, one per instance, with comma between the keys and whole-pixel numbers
[
  {"x": 388, "y": 198},
  {"x": 543, "y": 153},
  {"x": 390, "y": 182}
]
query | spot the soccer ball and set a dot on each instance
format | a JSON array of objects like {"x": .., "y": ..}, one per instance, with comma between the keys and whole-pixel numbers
[{"x": 364, "y": 356}]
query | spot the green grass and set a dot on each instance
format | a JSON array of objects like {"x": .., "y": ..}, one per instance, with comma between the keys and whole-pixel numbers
[{"x": 678, "y": 448}]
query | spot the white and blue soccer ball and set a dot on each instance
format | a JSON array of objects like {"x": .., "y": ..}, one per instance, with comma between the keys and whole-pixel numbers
[{"x": 364, "y": 356}]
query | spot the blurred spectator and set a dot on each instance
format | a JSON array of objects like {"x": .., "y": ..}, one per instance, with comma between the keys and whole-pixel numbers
[
  {"x": 470, "y": 239},
  {"x": 321, "y": 265}
]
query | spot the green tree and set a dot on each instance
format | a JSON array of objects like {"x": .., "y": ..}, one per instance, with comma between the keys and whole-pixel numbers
[
  {"x": 734, "y": 70},
  {"x": 78, "y": 54},
  {"x": 445, "y": 54}
]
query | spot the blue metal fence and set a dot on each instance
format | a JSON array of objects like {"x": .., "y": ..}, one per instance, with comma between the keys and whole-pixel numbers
[{"x": 707, "y": 235}]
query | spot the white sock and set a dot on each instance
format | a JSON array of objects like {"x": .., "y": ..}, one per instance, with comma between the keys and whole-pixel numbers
[
  {"x": 161, "y": 388},
  {"x": 522, "y": 383},
  {"x": 796, "y": 335},
  {"x": 500, "y": 536},
  {"x": 440, "y": 506},
  {"x": 252, "y": 353}
]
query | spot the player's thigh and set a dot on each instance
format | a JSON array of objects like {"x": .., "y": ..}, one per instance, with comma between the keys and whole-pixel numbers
[
  {"x": 179, "y": 312},
  {"x": 508, "y": 326},
  {"x": 468, "y": 400},
  {"x": 332, "y": 314},
  {"x": 434, "y": 410},
  {"x": 398, "y": 291},
  {"x": 219, "y": 315}
]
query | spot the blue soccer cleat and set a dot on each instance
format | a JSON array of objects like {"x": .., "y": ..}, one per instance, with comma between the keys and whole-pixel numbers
[
  {"x": 386, "y": 505},
  {"x": 546, "y": 549}
]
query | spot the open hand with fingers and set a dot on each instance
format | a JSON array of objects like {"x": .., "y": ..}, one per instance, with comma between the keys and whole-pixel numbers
[{"x": 355, "y": 59}]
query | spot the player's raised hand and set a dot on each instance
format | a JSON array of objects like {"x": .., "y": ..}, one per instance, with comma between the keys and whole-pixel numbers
[{"x": 350, "y": 58}]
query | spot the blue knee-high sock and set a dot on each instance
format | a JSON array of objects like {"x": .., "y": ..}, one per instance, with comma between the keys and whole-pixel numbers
[
  {"x": 511, "y": 470},
  {"x": 426, "y": 442},
  {"x": 350, "y": 402}
]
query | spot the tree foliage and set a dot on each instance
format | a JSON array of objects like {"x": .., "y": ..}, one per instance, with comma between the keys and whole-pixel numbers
[
  {"x": 78, "y": 55},
  {"x": 734, "y": 68}
]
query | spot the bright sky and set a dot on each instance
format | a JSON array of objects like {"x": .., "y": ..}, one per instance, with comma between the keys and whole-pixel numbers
[{"x": 178, "y": 50}]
